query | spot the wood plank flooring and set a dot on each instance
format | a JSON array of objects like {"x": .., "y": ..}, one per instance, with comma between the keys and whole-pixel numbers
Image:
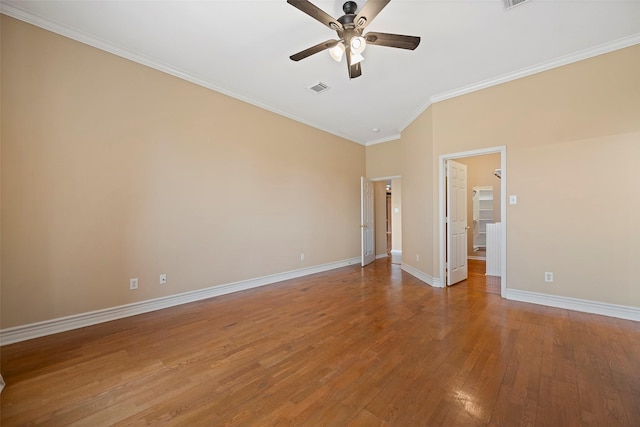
[
  {"x": 477, "y": 280},
  {"x": 352, "y": 347}
]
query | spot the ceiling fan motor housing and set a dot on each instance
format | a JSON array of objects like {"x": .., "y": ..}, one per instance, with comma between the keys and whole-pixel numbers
[
  {"x": 349, "y": 27},
  {"x": 347, "y": 20},
  {"x": 350, "y": 8}
]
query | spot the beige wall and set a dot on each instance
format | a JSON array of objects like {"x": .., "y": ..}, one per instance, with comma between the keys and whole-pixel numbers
[
  {"x": 112, "y": 170},
  {"x": 396, "y": 215},
  {"x": 417, "y": 194},
  {"x": 480, "y": 174},
  {"x": 384, "y": 160},
  {"x": 573, "y": 142}
]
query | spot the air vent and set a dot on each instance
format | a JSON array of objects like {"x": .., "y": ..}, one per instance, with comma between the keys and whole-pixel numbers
[
  {"x": 508, "y": 4},
  {"x": 319, "y": 87}
]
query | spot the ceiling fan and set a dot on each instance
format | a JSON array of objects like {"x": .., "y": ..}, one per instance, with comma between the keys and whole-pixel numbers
[{"x": 351, "y": 42}]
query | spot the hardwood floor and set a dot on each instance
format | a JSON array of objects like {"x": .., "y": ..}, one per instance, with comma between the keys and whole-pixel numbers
[
  {"x": 355, "y": 346},
  {"x": 478, "y": 281}
]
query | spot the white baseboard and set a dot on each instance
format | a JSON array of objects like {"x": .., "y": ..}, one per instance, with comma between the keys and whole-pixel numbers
[
  {"x": 396, "y": 252},
  {"x": 478, "y": 258},
  {"x": 568, "y": 303},
  {"x": 62, "y": 324},
  {"x": 381, "y": 256},
  {"x": 433, "y": 281}
]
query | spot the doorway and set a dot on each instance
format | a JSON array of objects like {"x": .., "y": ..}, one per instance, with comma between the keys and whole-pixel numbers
[
  {"x": 388, "y": 218},
  {"x": 501, "y": 208}
]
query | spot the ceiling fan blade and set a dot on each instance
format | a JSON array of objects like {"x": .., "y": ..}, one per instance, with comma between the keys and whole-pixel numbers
[
  {"x": 369, "y": 11},
  {"x": 316, "y": 13},
  {"x": 313, "y": 49},
  {"x": 392, "y": 40}
]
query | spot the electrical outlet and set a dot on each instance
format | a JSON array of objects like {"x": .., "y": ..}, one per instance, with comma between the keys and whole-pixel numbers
[
  {"x": 163, "y": 279},
  {"x": 548, "y": 276},
  {"x": 133, "y": 283},
  {"x": 417, "y": 257},
  {"x": 302, "y": 257}
]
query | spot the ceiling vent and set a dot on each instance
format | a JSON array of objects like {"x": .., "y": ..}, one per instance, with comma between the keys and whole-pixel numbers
[
  {"x": 508, "y": 4},
  {"x": 319, "y": 87}
]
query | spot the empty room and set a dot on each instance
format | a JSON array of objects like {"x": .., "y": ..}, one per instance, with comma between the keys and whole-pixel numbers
[{"x": 373, "y": 213}]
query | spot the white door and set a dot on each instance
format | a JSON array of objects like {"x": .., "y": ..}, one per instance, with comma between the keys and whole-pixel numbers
[
  {"x": 456, "y": 222},
  {"x": 367, "y": 225}
]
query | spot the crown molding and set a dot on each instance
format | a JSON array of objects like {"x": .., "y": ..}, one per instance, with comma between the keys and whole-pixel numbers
[
  {"x": 385, "y": 178},
  {"x": 120, "y": 51},
  {"x": 383, "y": 140},
  {"x": 541, "y": 67},
  {"x": 527, "y": 71},
  {"x": 415, "y": 115}
]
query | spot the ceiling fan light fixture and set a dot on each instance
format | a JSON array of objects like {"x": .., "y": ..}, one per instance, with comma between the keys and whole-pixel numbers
[
  {"x": 337, "y": 52},
  {"x": 358, "y": 44},
  {"x": 356, "y": 57}
]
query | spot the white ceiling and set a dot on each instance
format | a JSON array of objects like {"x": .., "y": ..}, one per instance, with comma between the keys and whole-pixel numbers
[{"x": 242, "y": 48}]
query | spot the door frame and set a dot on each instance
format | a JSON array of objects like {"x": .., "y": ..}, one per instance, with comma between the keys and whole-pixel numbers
[
  {"x": 389, "y": 178},
  {"x": 502, "y": 150}
]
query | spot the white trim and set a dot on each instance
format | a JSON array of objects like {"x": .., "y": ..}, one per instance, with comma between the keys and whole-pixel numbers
[
  {"x": 539, "y": 68},
  {"x": 62, "y": 324},
  {"x": 396, "y": 252},
  {"x": 477, "y": 258},
  {"x": 385, "y": 178},
  {"x": 106, "y": 46},
  {"x": 432, "y": 281},
  {"x": 524, "y": 72},
  {"x": 380, "y": 256},
  {"x": 502, "y": 150},
  {"x": 383, "y": 140},
  {"x": 415, "y": 115},
  {"x": 576, "y": 304}
]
